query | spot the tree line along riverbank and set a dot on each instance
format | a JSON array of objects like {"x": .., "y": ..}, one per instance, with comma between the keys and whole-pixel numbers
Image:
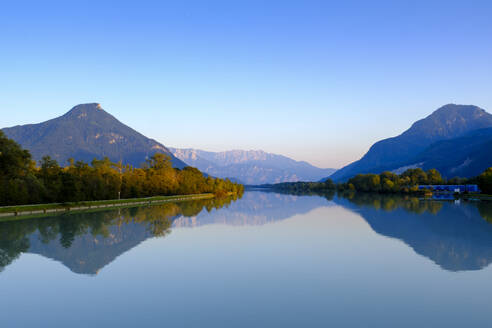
[
  {"x": 387, "y": 182},
  {"x": 22, "y": 181}
]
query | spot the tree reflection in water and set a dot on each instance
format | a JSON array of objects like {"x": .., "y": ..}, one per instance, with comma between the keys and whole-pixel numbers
[
  {"x": 454, "y": 236},
  {"x": 112, "y": 232}
]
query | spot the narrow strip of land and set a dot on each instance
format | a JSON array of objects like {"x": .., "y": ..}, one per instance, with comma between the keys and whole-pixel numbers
[{"x": 39, "y": 209}]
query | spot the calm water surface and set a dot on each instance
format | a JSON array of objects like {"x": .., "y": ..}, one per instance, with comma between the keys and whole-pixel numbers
[{"x": 266, "y": 260}]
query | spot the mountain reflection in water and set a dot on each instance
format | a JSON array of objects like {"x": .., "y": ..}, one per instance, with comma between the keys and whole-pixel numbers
[
  {"x": 87, "y": 241},
  {"x": 454, "y": 236}
]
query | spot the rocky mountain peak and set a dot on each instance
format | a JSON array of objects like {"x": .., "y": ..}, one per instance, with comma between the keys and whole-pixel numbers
[
  {"x": 447, "y": 122},
  {"x": 451, "y": 120},
  {"x": 86, "y": 110},
  {"x": 86, "y": 132},
  {"x": 86, "y": 107}
]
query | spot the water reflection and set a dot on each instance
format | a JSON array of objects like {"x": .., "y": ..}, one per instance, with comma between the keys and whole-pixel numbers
[
  {"x": 390, "y": 202},
  {"x": 85, "y": 242},
  {"x": 485, "y": 210},
  {"x": 456, "y": 236},
  {"x": 256, "y": 208}
]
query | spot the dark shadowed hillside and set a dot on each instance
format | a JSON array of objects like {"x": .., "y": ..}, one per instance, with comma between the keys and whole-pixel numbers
[
  {"x": 448, "y": 122},
  {"x": 84, "y": 133},
  {"x": 466, "y": 156}
]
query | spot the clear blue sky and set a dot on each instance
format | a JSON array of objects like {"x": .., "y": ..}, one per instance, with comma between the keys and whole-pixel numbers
[{"x": 315, "y": 80}]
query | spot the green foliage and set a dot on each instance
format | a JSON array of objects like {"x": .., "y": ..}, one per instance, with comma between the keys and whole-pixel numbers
[
  {"x": 408, "y": 181},
  {"x": 302, "y": 187},
  {"x": 17, "y": 180},
  {"x": 21, "y": 182},
  {"x": 434, "y": 177},
  {"x": 388, "y": 182},
  {"x": 485, "y": 181}
]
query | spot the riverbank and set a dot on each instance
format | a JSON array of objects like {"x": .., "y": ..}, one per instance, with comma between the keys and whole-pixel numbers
[{"x": 41, "y": 209}]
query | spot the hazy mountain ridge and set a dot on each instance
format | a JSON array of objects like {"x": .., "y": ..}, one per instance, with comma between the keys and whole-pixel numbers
[
  {"x": 84, "y": 133},
  {"x": 447, "y": 123},
  {"x": 251, "y": 167}
]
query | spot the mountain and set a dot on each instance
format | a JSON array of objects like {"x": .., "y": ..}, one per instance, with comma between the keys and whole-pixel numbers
[
  {"x": 448, "y": 122},
  {"x": 84, "y": 133},
  {"x": 251, "y": 167},
  {"x": 464, "y": 156}
]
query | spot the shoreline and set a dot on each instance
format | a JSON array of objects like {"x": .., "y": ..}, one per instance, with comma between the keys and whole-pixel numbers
[{"x": 17, "y": 211}]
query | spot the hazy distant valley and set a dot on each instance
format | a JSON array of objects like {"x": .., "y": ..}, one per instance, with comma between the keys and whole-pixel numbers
[{"x": 251, "y": 167}]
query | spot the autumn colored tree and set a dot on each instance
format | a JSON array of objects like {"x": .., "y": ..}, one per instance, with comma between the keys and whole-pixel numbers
[{"x": 21, "y": 182}]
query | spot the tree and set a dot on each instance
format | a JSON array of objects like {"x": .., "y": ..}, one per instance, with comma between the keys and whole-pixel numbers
[
  {"x": 434, "y": 177},
  {"x": 21, "y": 182},
  {"x": 18, "y": 185},
  {"x": 50, "y": 175},
  {"x": 417, "y": 176},
  {"x": 14, "y": 161},
  {"x": 485, "y": 181}
]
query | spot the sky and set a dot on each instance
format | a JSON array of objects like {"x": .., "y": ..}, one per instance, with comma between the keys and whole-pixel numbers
[{"x": 319, "y": 81}]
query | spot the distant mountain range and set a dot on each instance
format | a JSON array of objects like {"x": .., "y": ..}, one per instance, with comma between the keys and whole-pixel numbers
[
  {"x": 453, "y": 139},
  {"x": 251, "y": 167},
  {"x": 84, "y": 133}
]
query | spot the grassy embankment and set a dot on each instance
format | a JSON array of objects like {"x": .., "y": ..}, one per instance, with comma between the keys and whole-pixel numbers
[{"x": 40, "y": 209}]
